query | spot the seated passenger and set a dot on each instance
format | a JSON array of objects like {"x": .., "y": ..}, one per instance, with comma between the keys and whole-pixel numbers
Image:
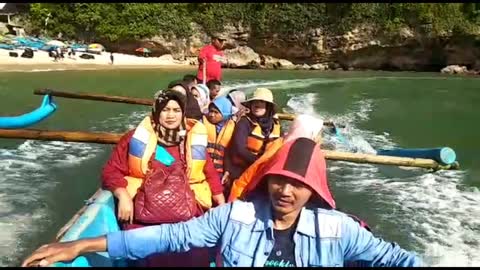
[
  {"x": 203, "y": 97},
  {"x": 164, "y": 144},
  {"x": 214, "y": 87},
  {"x": 220, "y": 128},
  {"x": 236, "y": 97},
  {"x": 303, "y": 126},
  {"x": 192, "y": 108},
  {"x": 253, "y": 134}
]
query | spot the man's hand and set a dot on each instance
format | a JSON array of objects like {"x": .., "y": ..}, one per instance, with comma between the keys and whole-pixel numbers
[
  {"x": 52, "y": 253},
  {"x": 64, "y": 252}
]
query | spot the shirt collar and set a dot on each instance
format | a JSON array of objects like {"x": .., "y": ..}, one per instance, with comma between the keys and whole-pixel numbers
[
  {"x": 306, "y": 223},
  {"x": 264, "y": 216},
  {"x": 264, "y": 221}
]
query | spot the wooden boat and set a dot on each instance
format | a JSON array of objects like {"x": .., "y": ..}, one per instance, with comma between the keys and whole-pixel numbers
[{"x": 98, "y": 216}]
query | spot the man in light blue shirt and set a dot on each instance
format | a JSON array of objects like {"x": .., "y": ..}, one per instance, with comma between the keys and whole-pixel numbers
[{"x": 286, "y": 218}]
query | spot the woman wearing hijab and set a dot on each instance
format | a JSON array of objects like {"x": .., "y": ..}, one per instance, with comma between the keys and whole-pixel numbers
[
  {"x": 192, "y": 108},
  {"x": 253, "y": 134},
  {"x": 236, "y": 97},
  {"x": 220, "y": 128},
  {"x": 163, "y": 141},
  {"x": 285, "y": 220},
  {"x": 203, "y": 97}
]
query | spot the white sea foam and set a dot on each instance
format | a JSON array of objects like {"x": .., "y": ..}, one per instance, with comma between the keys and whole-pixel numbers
[
  {"x": 122, "y": 122},
  {"x": 437, "y": 214},
  {"x": 249, "y": 85},
  {"x": 26, "y": 179}
]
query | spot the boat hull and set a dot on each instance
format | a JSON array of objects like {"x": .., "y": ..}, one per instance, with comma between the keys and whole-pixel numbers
[{"x": 97, "y": 218}]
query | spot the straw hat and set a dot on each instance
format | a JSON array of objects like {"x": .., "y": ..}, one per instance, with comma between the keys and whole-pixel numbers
[{"x": 263, "y": 94}]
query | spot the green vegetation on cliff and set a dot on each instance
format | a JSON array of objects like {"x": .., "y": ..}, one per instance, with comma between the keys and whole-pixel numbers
[{"x": 123, "y": 21}]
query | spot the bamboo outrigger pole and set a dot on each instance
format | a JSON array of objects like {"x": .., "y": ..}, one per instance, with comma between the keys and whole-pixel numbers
[
  {"x": 113, "y": 138},
  {"x": 132, "y": 100},
  {"x": 65, "y": 136}
]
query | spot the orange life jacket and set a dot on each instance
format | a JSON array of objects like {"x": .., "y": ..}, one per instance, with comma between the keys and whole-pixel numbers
[
  {"x": 238, "y": 185},
  {"x": 218, "y": 142},
  {"x": 256, "y": 142}
]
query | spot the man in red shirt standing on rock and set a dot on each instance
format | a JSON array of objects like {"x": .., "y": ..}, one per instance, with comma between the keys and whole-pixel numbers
[{"x": 210, "y": 59}]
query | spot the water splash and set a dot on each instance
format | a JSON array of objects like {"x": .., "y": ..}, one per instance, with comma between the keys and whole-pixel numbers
[
  {"x": 25, "y": 182},
  {"x": 352, "y": 139},
  {"x": 249, "y": 85},
  {"x": 438, "y": 215},
  {"x": 121, "y": 123}
]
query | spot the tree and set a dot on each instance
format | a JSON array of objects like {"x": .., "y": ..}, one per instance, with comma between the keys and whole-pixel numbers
[{"x": 123, "y": 21}]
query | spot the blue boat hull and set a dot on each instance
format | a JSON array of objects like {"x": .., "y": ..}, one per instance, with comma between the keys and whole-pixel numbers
[
  {"x": 98, "y": 218},
  {"x": 45, "y": 110}
]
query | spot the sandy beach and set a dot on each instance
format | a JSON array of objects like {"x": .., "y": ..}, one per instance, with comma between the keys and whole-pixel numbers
[{"x": 41, "y": 62}]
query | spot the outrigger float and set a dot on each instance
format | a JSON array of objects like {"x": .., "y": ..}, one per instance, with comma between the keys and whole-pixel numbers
[{"x": 47, "y": 108}]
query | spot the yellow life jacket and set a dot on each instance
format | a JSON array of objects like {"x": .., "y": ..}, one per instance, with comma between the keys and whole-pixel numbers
[
  {"x": 217, "y": 143},
  {"x": 143, "y": 144},
  {"x": 196, "y": 155}
]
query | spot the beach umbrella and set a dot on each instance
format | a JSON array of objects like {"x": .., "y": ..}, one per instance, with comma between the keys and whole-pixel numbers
[
  {"x": 56, "y": 43},
  {"x": 143, "y": 50},
  {"x": 96, "y": 46}
]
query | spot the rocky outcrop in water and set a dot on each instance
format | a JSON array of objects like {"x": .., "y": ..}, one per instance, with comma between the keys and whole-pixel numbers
[{"x": 454, "y": 69}]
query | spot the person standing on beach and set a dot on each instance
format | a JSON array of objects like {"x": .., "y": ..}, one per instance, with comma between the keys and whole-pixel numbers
[
  {"x": 210, "y": 59},
  {"x": 111, "y": 58},
  {"x": 59, "y": 53}
]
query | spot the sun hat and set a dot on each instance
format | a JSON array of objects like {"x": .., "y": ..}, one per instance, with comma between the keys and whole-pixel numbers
[{"x": 263, "y": 94}]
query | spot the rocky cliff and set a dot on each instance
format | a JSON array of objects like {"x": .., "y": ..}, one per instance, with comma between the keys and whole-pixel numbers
[{"x": 361, "y": 48}]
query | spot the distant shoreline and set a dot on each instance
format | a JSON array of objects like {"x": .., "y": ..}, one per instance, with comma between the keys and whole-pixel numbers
[
  {"x": 4, "y": 68},
  {"x": 42, "y": 62}
]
